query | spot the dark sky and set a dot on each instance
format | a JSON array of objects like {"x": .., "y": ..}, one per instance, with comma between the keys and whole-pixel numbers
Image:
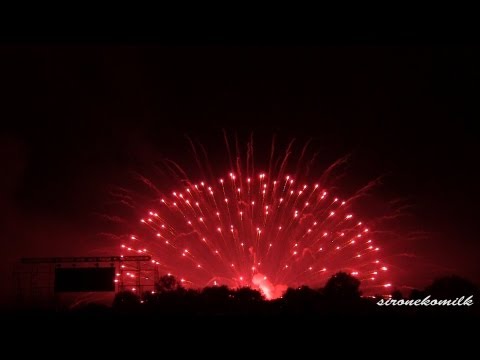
[{"x": 78, "y": 118}]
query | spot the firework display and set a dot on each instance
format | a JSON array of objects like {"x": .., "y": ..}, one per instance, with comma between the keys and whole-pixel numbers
[{"x": 264, "y": 232}]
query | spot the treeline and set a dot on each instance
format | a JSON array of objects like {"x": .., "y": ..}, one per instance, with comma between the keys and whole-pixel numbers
[{"x": 340, "y": 295}]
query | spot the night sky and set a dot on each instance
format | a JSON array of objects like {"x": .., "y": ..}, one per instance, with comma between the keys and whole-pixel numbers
[{"x": 78, "y": 119}]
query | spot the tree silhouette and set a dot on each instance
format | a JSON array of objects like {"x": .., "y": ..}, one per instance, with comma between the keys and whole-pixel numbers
[
  {"x": 451, "y": 287},
  {"x": 217, "y": 293},
  {"x": 217, "y": 299},
  {"x": 301, "y": 300},
  {"x": 342, "y": 286},
  {"x": 247, "y": 295},
  {"x": 397, "y": 295},
  {"x": 126, "y": 301},
  {"x": 416, "y": 294},
  {"x": 167, "y": 283},
  {"x": 246, "y": 301}
]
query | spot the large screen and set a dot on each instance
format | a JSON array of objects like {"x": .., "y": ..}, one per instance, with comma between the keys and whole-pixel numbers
[{"x": 84, "y": 279}]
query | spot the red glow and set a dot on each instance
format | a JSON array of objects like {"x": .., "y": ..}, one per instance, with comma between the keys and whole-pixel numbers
[{"x": 279, "y": 238}]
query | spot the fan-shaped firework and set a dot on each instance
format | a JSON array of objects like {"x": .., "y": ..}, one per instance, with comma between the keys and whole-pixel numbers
[{"x": 263, "y": 231}]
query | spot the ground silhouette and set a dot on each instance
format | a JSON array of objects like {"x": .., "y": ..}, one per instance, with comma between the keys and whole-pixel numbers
[{"x": 340, "y": 295}]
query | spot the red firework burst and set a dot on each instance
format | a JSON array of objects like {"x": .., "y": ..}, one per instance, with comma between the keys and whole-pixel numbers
[{"x": 260, "y": 231}]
